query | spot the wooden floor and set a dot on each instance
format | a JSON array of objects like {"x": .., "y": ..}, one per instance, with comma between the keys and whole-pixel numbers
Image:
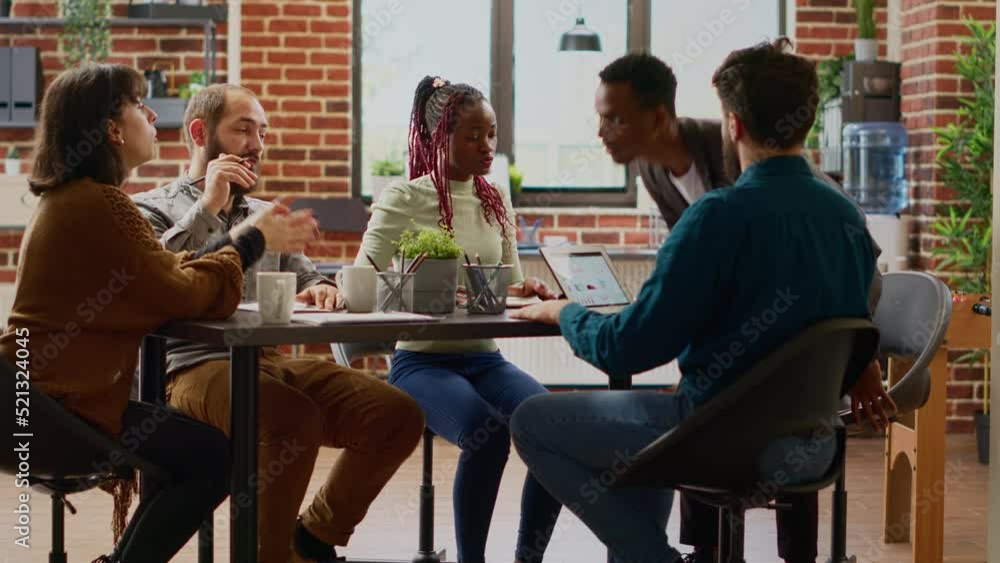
[{"x": 390, "y": 531}]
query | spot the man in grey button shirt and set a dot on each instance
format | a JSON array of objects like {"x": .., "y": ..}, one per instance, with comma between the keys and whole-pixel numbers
[{"x": 304, "y": 403}]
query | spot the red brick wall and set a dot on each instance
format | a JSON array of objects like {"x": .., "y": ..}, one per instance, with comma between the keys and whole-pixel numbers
[
  {"x": 827, "y": 28},
  {"x": 931, "y": 88},
  {"x": 295, "y": 56}
]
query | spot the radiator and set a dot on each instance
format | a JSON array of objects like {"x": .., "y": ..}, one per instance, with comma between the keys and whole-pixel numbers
[{"x": 552, "y": 362}]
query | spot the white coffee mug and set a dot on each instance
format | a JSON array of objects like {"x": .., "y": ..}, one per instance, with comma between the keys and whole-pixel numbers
[
  {"x": 276, "y": 296},
  {"x": 357, "y": 285}
]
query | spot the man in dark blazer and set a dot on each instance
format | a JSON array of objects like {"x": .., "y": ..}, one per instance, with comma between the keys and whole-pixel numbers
[{"x": 679, "y": 160}]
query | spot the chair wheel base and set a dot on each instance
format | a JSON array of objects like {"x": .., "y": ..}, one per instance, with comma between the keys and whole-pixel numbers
[{"x": 430, "y": 557}]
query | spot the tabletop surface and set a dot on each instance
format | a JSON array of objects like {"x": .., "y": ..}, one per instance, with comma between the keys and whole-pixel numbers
[{"x": 245, "y": 329}]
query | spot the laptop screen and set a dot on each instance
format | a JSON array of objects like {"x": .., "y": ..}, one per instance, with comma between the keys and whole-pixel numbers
[{"x": 587, "y": 279}]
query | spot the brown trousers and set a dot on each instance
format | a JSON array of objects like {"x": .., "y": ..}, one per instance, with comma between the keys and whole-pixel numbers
[{"x": 305, "y": 404}]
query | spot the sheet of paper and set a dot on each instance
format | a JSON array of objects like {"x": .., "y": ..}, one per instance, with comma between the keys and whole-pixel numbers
[
  {"x": 358, "y": 318},
  {"x": 518, "y": 302},
  {"x": 300, "y": 307}
]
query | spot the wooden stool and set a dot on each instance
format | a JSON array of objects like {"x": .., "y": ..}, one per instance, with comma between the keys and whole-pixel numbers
[{"x": 915, "y": 447}]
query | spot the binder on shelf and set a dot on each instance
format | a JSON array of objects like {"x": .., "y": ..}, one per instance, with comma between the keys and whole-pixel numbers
[
  {"x": 6, "y": 88},
  {"x": 26, "y": 90}
]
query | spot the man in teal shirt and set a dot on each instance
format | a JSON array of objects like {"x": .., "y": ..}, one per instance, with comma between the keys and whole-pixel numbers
[{"x": 744, "y": 270}]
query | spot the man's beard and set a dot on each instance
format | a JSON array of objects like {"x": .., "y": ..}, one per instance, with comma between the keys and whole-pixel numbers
[
  {"x": 213, "y": 149},
  {"x": 730, "y": 159}
]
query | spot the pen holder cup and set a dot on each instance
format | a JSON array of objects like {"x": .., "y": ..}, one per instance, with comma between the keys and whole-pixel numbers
[
  {"x": 486, "y": 288},
  {"x": 395, "y": 292}
]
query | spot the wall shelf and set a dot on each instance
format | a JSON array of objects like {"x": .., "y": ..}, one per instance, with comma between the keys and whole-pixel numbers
[{"x": 30, "y": 25}]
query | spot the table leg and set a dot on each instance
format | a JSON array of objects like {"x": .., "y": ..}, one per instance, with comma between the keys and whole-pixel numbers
[
  {"x": 243, "y": 396},
  {"x": 929, "y": 477},
  {"x": 152, "y": 379},
  {"x": 915, "y": 476}
]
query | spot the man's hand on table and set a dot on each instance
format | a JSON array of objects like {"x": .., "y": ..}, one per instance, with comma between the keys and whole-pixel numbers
[
  {"x": 547, "y": 312},
  {"x": 322, "y": 295}
]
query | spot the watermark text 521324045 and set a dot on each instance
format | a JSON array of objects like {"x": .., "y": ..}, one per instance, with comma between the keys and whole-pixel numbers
[{"x": 22, "y": 437}]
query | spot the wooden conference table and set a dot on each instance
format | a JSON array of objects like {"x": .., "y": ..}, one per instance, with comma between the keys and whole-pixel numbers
[{"x": 244, "y": 335}]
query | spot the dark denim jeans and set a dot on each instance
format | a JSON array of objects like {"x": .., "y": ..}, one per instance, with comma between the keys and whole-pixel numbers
[{"x": 468, "y": 399}]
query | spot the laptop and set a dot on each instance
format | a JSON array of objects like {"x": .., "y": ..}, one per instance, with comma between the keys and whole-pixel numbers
[{"x": 586, "y": 275}]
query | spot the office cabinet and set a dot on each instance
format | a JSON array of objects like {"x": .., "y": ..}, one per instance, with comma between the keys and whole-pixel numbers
[
  {"x": 6, "y": 80},
  {"x": 26, "y": 84}
]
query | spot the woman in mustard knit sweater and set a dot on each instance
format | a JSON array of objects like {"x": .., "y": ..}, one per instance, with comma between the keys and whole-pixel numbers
[
  {"x": 467, "y": 389},
  {"x": 93, "y": 279}
]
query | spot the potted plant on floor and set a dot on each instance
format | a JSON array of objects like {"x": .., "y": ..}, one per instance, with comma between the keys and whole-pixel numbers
[
  {"x": 866, "y": 44},
  {"x": 965, "y": 159},
  {"x": 12, "y": 164},
  {"x": 384, "y": 172},
  {"x": 436, "y": 282}
]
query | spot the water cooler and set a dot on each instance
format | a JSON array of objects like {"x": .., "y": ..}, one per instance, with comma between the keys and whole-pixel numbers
[{"x": 872, "y": 161}]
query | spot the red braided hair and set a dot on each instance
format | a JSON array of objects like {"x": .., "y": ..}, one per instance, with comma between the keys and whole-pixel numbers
[{"x": 441, "y": 101}]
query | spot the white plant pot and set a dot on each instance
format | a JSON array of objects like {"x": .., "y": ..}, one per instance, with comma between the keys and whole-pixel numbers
[
  {"x": 865, "y": 50},
  {"x": 12, "y": 166},
  {"x": 380, "y": 183},
  {"x": 435, "y": 286}
]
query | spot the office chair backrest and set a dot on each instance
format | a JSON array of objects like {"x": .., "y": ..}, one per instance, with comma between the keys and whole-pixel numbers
[
  {"x": 794, "y": 390},
  {"x": 62, "y": 445},
  {"x": 912, "y": 318},
  {"x": 344, "y": 354}
]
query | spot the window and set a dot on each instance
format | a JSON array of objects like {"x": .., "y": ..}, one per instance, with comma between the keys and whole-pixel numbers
[
  {"x": 543, "y": 98},
  {"x": 555, "y": 127},
  {"x": 696, "y": 44},
  {"x": 401, "y": 42}
]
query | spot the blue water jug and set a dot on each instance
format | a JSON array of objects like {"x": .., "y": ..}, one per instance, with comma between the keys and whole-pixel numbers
[{"x": 875, "y": 166}]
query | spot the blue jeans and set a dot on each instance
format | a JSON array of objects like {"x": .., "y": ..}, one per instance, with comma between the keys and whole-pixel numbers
[
  {"x": 468, "y": 399},
  {"x": 577, "y": 443}
]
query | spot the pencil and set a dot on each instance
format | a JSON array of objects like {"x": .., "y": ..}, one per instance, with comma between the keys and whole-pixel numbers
[{"x": 202, "y": 179}]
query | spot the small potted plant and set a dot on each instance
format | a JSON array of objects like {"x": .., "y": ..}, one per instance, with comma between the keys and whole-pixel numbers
[
  {"x": 516, "y": 182},
  {"x": 435, "y": 284},
  {"x": 384, "y": 172},
  {"x": 12, "y": 164},
  {"x": 195, "y": 83},
  {"x": 866, "y": 44}
]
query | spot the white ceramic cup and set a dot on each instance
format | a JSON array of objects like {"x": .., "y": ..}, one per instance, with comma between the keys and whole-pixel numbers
[
  {"x": 276, "y": 296},
  {"x": 357, "y": 285}
]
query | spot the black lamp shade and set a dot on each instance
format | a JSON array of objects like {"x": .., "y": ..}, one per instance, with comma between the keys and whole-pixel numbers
[{"x": 580, "y": 39}]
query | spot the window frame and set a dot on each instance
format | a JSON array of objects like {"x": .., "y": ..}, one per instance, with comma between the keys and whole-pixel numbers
[{"x": 501, "y": 96}]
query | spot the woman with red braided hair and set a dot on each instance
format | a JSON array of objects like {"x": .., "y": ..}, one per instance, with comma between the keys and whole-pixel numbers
[{"x": 467, "y": 389}]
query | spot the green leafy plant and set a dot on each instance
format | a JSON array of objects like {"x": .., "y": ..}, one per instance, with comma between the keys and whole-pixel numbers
[
  {"x": 829, "y": 73},
  {"x": 195, "y": 83},
  {"x": 965, "y": 160},
  {"x": 516, "y": 180},
  {"x": 387, "y": 167},
  {"x": 439, "y": 244},
  {"x": 12, "y": 154},
  {"x": 865, "y": 12},
  {"x": 86, "y": 36}
]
